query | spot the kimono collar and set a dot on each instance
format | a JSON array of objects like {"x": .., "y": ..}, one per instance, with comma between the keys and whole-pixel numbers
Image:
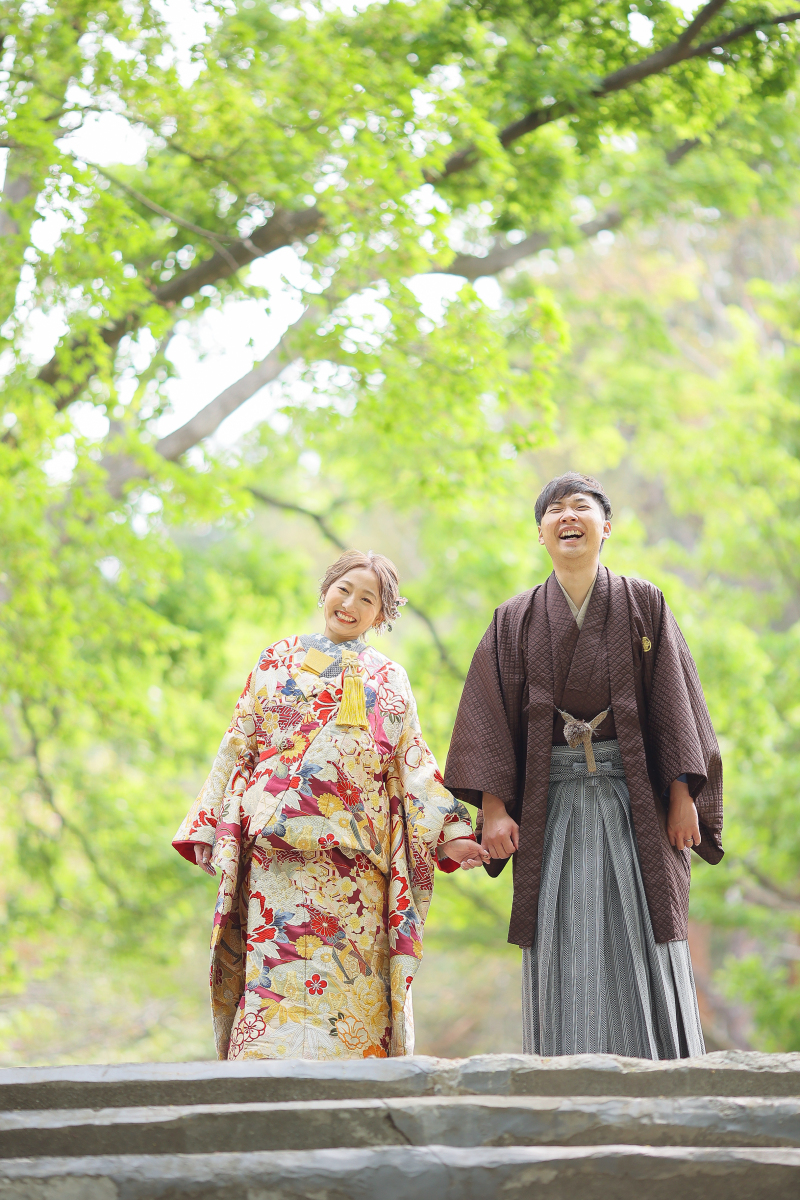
[
  {"x": 578, "y": 613},
  {"x": 319, "y": 642}
]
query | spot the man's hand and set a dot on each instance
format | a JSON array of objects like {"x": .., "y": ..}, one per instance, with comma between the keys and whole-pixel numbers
[
  {"x": 683, "y": 827},
  {"x": 202, "y": 856},
  {"x": 500, "y": 831},
  {"x": 466, "y": 852}
]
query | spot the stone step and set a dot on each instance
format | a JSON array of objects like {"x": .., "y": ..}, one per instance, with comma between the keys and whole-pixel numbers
[
  {"x": 725, "y": 1073},
  {"x": 397, "y": 1173},
  {"x": 465, "y": 1121}
]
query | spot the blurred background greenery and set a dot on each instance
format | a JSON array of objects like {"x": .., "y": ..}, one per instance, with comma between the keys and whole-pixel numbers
[{"x": 616, "y": 292}]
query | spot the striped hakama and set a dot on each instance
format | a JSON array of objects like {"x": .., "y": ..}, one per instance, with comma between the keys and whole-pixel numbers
[{"x": 595, "y": 980}]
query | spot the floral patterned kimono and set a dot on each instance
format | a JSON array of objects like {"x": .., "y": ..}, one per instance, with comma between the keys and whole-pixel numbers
[{"x": 325, "y": 836}]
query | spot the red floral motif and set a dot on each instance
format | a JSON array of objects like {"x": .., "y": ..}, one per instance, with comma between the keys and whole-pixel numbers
[
  {"x": 328, "y": 840},
  {"x": 323, "y": 924},
  {"x": 316, "y": 985},
  {"x": 362, "y": 862},
  {"x": 266, "y": 933},
  {"x": 204, "y": 817},
  {"x": 325, "y": 705},
  {"x": 266, "y": 911},
  {"x": 390, "y": 701},
  {"x": 250, "y": 1027},
  {"x": 347, "y": 791}
]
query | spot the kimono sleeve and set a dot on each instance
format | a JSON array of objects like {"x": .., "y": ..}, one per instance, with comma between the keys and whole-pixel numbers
[
  {"x": 433, "y": 816},
  {"x": 232, "y": 768}
]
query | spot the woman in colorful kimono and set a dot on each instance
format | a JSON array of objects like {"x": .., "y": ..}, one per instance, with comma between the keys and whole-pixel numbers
[{"x": 325, "y": 812}]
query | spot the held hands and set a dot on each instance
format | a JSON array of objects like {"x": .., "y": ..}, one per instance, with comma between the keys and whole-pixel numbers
[
  {"x": 466, "y": 852},
  {"x": 683, "y": 827},
  {"x": 202, "y": 856},
  {"x": 500, "y": 831}
]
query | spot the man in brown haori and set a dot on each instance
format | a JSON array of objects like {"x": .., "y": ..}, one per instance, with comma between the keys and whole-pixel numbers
[{"x": 584, "y": 737}]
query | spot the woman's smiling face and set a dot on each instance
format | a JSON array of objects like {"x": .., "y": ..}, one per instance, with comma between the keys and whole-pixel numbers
[{"x": 352, "y": 605}]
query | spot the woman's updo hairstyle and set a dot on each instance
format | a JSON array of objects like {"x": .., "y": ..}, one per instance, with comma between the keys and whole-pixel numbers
[{"x": 388, "y": 583}]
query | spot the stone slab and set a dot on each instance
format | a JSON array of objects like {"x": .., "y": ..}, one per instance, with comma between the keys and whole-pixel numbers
[
  {"x": 725, "y": 1073},
  {"x": 451, "y": 1121},
  {"x": 397, "y": 1173}
]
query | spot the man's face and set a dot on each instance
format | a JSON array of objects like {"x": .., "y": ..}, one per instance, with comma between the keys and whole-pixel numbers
[{"x": 573, "y": 530}]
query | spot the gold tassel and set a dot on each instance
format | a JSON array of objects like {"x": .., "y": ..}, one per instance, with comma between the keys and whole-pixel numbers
[{"x": 353, "y": 707}]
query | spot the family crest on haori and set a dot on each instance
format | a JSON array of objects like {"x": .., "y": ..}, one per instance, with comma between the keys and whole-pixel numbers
[{"x": 327, "y": 815}]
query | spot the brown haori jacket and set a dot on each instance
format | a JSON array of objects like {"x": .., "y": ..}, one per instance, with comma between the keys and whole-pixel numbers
[{"x": 630, "y": 654}]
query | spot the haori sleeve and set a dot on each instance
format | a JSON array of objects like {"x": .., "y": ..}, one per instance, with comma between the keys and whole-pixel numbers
[
  {"x": 487, "y": 733},
  {"x": 433, "y": 815},
  {"x": 235, "y": 761},
  {"x": 681, "y": 734}
]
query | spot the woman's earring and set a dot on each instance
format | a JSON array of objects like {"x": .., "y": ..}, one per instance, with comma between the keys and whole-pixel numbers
[{"x": 320, "y": 602}]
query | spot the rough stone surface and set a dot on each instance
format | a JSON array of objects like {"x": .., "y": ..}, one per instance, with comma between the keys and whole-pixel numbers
[
  {"x": 397, "y": 1173},
  {"x": 726, "y": 1073},
  {"x": 452, "y": 1121}
]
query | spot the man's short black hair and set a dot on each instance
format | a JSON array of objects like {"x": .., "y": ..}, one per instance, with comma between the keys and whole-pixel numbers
[{"x": 568, "y": 485}]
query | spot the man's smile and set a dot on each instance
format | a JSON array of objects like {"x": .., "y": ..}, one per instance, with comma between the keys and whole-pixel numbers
[{"x": 571, "y": 534}]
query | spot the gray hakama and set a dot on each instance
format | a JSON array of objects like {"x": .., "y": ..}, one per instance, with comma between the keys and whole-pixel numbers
[{"x": 595, "y": 980}]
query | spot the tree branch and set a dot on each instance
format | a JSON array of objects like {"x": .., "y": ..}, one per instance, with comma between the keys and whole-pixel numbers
[
  {"x": 282, "y": 228},
  {"x": 442, "y": 650},
  {"x": 318, "y": 518},
  {"x": 680, "y": 151},
  {"x": 208, "y": 420},
  {"x": 46, "y": 792},
  {"x": 16, "y": 188},
  {"x": 502, "y": 254},
  {"x": 123, "y": 468},
  {"x": 654, "y": 64},
  {"x": 213, "y": 238},
  {"x": 505, "y": 254},
  {"x": 777, "y": 896},
  {"x": 322, "y": 524}
]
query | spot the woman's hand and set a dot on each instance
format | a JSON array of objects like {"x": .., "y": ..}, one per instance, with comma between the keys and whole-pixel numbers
[
  {"x": 683, "y": 827},
  {"x": 500, "y": 831},
  {"x": 202, "y": 856},
  {"x": 466, "y": 852}
]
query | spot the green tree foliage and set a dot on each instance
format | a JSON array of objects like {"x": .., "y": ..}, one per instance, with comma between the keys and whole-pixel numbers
[{"x": 380, "y": 145}]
